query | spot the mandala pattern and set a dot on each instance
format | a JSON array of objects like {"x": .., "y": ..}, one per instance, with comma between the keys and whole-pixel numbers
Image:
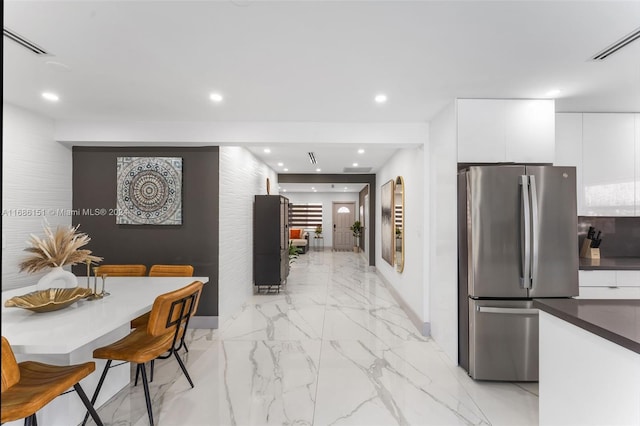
[{"x": 149, "y": 191}]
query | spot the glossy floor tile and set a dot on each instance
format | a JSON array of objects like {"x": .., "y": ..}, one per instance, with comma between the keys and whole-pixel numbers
[{"x": 332, "y": 348}]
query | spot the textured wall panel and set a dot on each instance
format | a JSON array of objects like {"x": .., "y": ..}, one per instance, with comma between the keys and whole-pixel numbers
[
  {"x": 242, "y": 176},
  {"x": 36, "y": 183}
]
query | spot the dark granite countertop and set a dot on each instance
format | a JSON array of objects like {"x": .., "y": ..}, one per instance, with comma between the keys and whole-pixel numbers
[
  {"x": 615, "y": 320},
  {"x": 611, "y": 263}
]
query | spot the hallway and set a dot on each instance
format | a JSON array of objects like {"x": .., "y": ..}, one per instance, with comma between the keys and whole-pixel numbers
[{"x": 333, "y": 348}]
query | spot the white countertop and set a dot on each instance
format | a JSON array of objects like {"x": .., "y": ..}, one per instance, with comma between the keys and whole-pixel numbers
[{"x": 66, "y": 330}]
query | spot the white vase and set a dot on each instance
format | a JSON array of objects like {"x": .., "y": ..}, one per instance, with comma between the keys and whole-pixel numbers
[{"x": 57, "y": 278}]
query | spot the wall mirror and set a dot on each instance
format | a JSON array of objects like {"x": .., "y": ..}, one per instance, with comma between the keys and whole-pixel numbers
[{"x": 398, "y": 202}]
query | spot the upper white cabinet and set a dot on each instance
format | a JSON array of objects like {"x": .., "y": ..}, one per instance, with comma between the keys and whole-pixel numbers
[
  {"x": 637, "y": 119},
  {"x": 506, "y": 130},
  {"x": 569, "y": 149},
  {"x": 605, "y": 149},
  {"x": 609, "y": 164}
]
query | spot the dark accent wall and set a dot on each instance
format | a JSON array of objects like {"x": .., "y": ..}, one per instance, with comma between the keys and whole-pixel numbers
[
  {"x": 620, "y": 235},
  {"x": 195, "y": 242},
  {"x": 346, "y": 178}
]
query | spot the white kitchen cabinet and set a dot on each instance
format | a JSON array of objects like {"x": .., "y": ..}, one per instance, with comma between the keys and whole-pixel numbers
[
  {"x": 481, "y": 131},
  {"x": 506, "y": 130},
  {"x": 609, "y": 284},
  {"x": 609, "y": 293},
  {"x": 530, "y": 130},
  {"x": 590, "y": 278},
  {"x": 608, "y": 167},
  {"x": 637, "y": 137},
  {"x": 628, "y": 278},
  {"x": 569, "y": 149}
]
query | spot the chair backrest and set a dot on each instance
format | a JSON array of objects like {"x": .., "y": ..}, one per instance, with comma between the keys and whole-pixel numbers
[
  {"x": 171, "y": 271},
  {"x": 10, "y": 369},
  {"x": 171, "y": 311},
  {"x": 122, "y": 270}
]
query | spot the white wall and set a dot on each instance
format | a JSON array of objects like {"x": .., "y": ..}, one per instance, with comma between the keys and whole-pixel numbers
[
  {"x": 443, "y": 234},
  {"x": 242, "y": 176},
  {"x": 410, "y": 285},
  {"x": 327, "y": 199},
  {"x": 36, "y": 182}
]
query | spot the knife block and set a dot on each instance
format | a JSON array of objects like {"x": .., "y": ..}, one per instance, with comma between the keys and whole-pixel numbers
[{"x": 587, "y": 251}]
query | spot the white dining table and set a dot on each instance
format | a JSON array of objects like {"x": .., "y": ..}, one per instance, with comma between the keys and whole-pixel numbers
[{"x": 69, "y": 335}]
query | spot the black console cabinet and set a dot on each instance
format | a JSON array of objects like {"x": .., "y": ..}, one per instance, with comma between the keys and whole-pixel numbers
[{"x": 270, "y": 241}]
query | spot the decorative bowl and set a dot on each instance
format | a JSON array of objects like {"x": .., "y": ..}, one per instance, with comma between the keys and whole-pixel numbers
[{"x": 48, "y": 300}]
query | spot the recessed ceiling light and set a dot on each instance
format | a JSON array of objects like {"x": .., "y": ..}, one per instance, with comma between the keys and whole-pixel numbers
[
  {"x": 345, "y": 188},
  {"x": 361, "y": 151},
  {"x": 318, "y": 170},
  {"x": 284, "y": 190},
  {"x": 381, "y": 98},
  {"x": 355, "y": 164},
  {"x": 267, "y": 150},
  {"x": 313, "y": 187},
  {"x": 216, "y": 97},
  {"x": 553, "y": 93},
  {"x": 50, "y": 96},
  {"x": 280, "y": 164},
  {"x": 286, "y": 170}
]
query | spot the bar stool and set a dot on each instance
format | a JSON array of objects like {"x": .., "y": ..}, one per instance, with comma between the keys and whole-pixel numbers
[
  {"x": 29, "y": 386},
  {"x": 169, "y": 318}
]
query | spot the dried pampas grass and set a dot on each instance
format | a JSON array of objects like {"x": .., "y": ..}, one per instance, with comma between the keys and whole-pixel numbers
[{"x": 58, "y": 248}]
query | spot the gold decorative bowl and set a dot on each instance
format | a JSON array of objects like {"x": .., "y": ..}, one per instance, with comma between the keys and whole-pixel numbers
[{"x": 48, "y": 300}]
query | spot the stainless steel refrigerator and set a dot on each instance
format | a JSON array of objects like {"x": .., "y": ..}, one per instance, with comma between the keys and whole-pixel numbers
[{"x": 517, "y": 240}]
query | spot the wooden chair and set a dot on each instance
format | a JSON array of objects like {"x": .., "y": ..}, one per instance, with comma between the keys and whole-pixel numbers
[
  {"x": 29, "y": 386},
  {"x": 169, "y": 318},
  {"x": 171, "y": 271},
  {"x": 163, "y": 271},
  {"x": 122, "y": 270}
]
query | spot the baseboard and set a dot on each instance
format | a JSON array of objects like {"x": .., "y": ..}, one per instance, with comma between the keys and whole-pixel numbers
[
  {"x": 203, "y": 322},
  {"x": 423, "y": 327}
]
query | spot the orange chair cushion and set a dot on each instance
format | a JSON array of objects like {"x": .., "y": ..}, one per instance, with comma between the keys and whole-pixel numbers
[
  {"x": 10, "y": 369},
  {"x": 171, "y": 271},
  {"x": 141, "y": 321},
  {"x": 294, "y": 234},
  {"x": 138, "y": 347},
  {"x": 40, "y": 384},
  {"x": 122, "y": 270}
]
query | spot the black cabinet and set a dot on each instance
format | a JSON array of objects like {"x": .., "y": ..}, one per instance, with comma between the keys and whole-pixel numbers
[{"x": 270, "y": 241}]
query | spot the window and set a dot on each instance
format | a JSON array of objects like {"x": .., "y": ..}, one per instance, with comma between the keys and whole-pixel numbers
[{"x": 307, "y": 215}]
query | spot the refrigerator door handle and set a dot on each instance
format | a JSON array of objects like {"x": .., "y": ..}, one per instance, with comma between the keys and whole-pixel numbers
[
  {"x": 514, "y": 311},
  {"x": 534, "y": 230},
  {"x": 525, "y": 278}
]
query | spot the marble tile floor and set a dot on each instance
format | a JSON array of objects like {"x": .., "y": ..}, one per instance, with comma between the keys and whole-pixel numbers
[{"x": 332, "y": 348}]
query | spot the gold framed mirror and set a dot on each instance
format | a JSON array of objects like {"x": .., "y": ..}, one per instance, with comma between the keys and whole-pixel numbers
[{"x": 398, "y": 207}]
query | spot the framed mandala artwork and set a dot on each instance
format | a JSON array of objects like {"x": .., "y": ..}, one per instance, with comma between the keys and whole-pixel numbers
[{"x": 149, "y": 191}]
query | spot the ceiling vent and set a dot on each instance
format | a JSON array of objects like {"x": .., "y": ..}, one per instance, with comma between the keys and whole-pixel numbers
[
  {"x": 312, "y": 158},
  {"x": 24, "y": 42},
  {"x": 626, "y": 40},
  {"x": 356, "y": 170}
]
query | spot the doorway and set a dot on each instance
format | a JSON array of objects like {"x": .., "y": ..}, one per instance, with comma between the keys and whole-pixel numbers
[{"x": 344, "y": 214}]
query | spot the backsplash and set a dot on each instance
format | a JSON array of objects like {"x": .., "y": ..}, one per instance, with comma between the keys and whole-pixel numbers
[{"x": 620, "y": 235}]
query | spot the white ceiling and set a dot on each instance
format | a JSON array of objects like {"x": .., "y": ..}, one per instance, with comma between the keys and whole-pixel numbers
[{"x": 319, "y": 61}]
